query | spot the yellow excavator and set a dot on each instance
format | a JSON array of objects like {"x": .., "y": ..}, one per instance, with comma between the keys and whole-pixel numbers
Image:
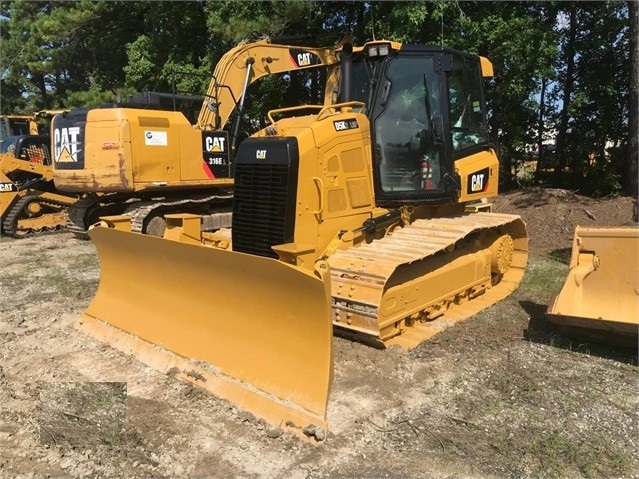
[
  {"x": 361, "y": 218},
  {"x": 146, "y": 163},
  {"x": 600, "y": 296}
]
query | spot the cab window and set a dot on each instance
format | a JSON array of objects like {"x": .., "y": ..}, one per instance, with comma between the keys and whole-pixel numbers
[{"x": 467, "y": 116}]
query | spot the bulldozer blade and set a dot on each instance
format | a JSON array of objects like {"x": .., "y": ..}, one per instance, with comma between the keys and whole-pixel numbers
[
  {"x": 600, "y": 297},
  {"x": 252, "y": 330}
]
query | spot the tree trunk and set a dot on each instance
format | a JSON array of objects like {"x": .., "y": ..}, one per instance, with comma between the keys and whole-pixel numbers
[
  {"x": 44, "y": 95},
  {"x": 567, "y": 93},
  {"x": 505, "y": 157},
  {"x": 540, "y": 129},
  {"x": 631, "y": 177}
]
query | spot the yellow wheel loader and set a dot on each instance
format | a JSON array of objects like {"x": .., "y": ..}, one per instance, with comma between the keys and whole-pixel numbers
[
  {"x": 600, "y": 297},
  {"x": 146, "y": 163},
  {"x": 352, "y": 219},
  {"x": 29, "y": 203}
]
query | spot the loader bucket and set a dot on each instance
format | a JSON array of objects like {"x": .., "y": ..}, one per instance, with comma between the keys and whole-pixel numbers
[
  {"x": 601, "y": 292},
  {"x": 252, "y": 330}
]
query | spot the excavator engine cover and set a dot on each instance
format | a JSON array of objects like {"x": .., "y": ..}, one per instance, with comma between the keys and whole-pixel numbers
[{"x": 600, "y": 296}]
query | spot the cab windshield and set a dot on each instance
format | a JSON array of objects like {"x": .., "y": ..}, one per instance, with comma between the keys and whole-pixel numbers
[{"x": 404, "y": 130}]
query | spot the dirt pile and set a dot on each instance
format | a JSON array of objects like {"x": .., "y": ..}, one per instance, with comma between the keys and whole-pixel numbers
[{"x": 551, "y": 214}]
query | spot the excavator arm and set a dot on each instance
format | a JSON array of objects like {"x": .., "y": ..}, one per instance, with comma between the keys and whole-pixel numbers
[{"x": 250, "y": 61}]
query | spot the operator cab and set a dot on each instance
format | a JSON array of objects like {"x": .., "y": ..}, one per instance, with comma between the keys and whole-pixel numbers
[
  {"x": 31, "y": 148},
  {"x": 427, "y": 109}
]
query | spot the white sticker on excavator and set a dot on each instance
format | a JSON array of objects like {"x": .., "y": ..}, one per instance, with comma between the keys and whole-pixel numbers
[{"x": 156, "y": 138}]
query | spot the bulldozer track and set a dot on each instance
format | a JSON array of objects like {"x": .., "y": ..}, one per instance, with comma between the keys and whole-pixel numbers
[
  {"x": 10, "y": 226},
  {"x": 360, "y": 277}
]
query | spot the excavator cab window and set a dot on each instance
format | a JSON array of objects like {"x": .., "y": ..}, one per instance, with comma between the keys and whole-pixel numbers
[
  {"x": 363, "y": 76},
  {"x": 360, "y": 84},
  {"x": 5, "y": 128}
]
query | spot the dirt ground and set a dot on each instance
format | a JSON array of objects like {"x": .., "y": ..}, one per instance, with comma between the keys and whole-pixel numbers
[{"x": 500, "y": 395}]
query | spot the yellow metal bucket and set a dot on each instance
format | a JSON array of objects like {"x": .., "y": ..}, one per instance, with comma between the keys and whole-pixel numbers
[
  {"x": 252, "y": 330},
  {"x": 601, "y": 291}
]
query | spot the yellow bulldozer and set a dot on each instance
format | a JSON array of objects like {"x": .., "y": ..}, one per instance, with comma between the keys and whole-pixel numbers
[
  {"x": 146, "y": 163},
  {"x": 356, "y": 219},
  {"x": 600, "y": 297}
]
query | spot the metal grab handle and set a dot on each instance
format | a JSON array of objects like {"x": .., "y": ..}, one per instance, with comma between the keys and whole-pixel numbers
[
  {"x": 330, "y": 109},
  {"x": 320, "y": 186},
  {"x": 291, "y": 108},
  {"x": 324, "y": 110}
]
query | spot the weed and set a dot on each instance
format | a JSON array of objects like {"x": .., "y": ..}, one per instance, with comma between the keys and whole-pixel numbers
[
  {"x": 554, "y": 450},
  {"x": 456, "y": 382},
  {"x": 85, "y": 261},
  {"x": 500, "y": 442},
  {"x": 558, "y": 452}
]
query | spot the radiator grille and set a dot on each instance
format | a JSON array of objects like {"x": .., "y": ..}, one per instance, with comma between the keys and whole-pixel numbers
[{"x": 264, "y": 203}]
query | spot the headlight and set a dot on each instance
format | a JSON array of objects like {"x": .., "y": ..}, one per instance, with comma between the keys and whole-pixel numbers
[{"x": 384, "y": 49}]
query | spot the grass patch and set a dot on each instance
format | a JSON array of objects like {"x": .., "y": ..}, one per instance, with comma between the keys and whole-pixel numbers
[
  {"x": 558, "y": 453},
  {"x": 545, "y": 275},
  {"x": 85, "y": 261},
  {"x": 12, "y": 282}
]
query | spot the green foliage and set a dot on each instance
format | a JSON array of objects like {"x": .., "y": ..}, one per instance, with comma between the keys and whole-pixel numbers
[
  {"x": 141, "y": 65},
  {"x": 67, "y": 54},
  {"x": 91, "y": 97},
  {"x": 235, "y": 21}
]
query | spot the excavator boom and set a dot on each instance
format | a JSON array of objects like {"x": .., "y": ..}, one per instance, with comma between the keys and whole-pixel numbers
[{"x": 114, "y": 155}]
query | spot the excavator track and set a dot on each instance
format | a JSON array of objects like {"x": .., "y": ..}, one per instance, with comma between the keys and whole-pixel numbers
[
  {"x": 141, "y": 211},
  {"x": 416, "y": 281},
  {"x": 11, "y": 225},
  {"x": 85, "y": 212},
  {"x": 77, "y": 214}
]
